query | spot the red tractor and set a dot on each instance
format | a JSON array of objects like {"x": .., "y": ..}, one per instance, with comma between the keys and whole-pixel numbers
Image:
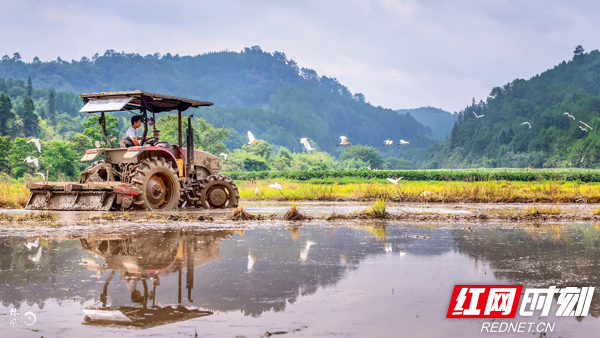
[{"x": 155, "y": 175}]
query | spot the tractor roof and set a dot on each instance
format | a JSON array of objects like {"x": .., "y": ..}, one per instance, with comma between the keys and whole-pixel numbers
[{"x": 133, "y": 100}]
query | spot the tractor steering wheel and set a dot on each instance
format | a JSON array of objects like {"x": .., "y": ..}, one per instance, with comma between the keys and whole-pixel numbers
[{"x": 151, "y": 141}]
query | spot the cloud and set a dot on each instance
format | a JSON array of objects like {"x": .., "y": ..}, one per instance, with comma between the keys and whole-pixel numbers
[{"x": 441, "y": 53}]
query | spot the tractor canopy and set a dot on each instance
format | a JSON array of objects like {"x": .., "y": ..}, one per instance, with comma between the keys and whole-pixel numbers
[{"x": 137, "y": 100}]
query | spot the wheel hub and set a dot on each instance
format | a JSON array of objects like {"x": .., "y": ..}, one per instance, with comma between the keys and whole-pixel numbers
[
  {"x": 156, "y": 191},
  {"x": 217, "y": 197}
]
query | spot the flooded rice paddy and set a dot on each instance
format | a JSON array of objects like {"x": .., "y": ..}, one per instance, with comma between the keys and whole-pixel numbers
[{"x": 258, "y": 279}]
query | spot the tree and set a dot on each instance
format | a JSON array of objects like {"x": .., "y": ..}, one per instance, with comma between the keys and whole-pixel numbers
[
  {"x": 363, "y": 153},
  {"x": 206, "y": 136},
  {"x": 31, "y": 121},
  {"x": 80, "y": 143},
  {"x": 29, "y": 86},
  {"x": 6, "y": 114},
  {"x": 93, "y": 130},
  {"x": 578, "y": 54},
  {"x": 51, "y": 110},
  {"x": 3, "y": 88},
  {"x": 394, "y": 163},
  {"x": 262, "y": 149}
]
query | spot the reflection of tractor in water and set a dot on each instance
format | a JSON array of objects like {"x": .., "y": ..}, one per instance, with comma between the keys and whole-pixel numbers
[
  {"x": 143, "y": 259},
  {"x": 155, "y": 175}
]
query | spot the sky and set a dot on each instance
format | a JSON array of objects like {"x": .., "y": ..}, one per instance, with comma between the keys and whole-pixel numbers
[{"x": 399, "y": 54}]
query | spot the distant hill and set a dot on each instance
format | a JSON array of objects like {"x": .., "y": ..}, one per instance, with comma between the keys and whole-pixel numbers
[
  {"x": 501, "y": 139},
  {"x": 440, "y": 121},
  {"x": 252, "y": 90}
]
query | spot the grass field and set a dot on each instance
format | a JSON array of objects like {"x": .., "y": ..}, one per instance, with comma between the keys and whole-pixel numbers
[
  {"x": 465, "y": 175},
  {"x": 434, "y": 191},
  {"x": 450, "y": 186},
  {"x": 13, "y": 195}
]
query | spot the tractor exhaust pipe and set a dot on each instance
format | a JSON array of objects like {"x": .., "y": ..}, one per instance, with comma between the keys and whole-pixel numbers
[{"x": 190, "y": 146}]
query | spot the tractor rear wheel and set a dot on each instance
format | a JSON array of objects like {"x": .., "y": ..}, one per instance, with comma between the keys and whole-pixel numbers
[
  {"x": 157, "y": 181},
  {"x": 219, "y": 192}
]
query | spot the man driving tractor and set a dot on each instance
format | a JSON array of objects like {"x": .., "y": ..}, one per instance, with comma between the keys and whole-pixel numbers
[{"x": 136, "y": 122}]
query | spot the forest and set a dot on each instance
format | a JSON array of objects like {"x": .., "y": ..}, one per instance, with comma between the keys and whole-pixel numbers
[
  {"x": 562, "y": 108},
  {"x": 280, "y": 103}
]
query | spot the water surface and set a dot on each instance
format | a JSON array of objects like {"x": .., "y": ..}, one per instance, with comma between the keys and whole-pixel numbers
[{"x": 314, "y": 279}]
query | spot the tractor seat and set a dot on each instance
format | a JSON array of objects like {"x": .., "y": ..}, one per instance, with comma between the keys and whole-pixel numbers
[
  {"x": 126, "y": 143},
  {"x": 166, "y": 145}
]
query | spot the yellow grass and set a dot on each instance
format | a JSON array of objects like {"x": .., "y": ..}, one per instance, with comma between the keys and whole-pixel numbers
[
  {"x": 13, "y": 195},
  {"x": 455, "y": 191}
]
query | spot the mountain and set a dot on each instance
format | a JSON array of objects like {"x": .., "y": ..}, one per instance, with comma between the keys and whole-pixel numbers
[
  {"x": 252, "y": 90},
  {"x": 555, "y": 140},
  {"x": 440, "y": 121}
]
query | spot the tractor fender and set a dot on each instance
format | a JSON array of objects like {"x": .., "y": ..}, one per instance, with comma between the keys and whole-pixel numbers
[{"x": 148, "y": 152}]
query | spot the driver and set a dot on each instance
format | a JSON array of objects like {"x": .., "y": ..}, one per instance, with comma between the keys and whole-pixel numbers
[{"x": 136, "y": 122}]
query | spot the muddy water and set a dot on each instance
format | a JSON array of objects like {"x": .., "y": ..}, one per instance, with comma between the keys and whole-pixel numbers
[{"x": 252, "y": 280}]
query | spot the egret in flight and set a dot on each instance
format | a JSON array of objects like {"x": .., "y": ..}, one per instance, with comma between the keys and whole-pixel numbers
[
  {"x": 32, "y": 160},
  {"x": 251, "y": 138},
  {"x": 388, "y": 142},
  {"x": 395, "y": 181},
  {"x": 403, "y": 142},
  {"x": 527, "y": 123},
  {"x": 304, "y": 141},
  {"x": 344, "y": 141},
  {"x": 477, "y": 116},
  {"x": 36, "y": 141},
  {"x": 586, "y": 125}
]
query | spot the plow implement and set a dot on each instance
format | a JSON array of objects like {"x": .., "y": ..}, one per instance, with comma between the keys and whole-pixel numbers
[{"x": 92, "y": 196}]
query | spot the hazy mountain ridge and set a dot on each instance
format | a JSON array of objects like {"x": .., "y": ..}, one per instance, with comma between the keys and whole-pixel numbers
[
  {"x": 439, "y": 120},
  {"x": 251, "y": 89}
]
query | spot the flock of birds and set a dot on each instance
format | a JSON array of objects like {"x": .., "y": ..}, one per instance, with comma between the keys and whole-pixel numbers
[
  {"x": 35, "y": 161},
  {"x": 529, "y": 124},
  {"x": 308, "y": 147}
]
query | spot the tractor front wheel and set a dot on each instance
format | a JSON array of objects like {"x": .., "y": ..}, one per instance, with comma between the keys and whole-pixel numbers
[
  {"x": 158, "y": 184},
  {"x": 219, "y": 192}
]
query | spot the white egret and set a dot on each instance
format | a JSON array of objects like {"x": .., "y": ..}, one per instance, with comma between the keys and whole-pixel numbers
[
  {"x": 388, "y": 142},
  {"x": 307, "y": 145},
  {"x": 34, "y": 244},
  {"x": 303, "y": 139},
  {"x": 477, "y": 116},
  {"x": 32, "y": 160},
  {"x": 569, "y": 115},
  {"x": 43, "y": 176},
  {"x": 527, "y": 123},
  {"x": 395, "y": 181},
  {"x": 580, "y": 127},
  {"x": 275, "y": 186},
  {"x": 304, "y": 252},
  {"x": 344, "y": 141},
  {"x": 403, "y": 142},
  {"x": 251, "y": 260},
  {"x": 586, "y": 125},
  {"x": 224, "y": 156},
  {"x": 37, "y": 257},
  {"x": 36, "y": 141},
  {"x": 251, "y": 138}
]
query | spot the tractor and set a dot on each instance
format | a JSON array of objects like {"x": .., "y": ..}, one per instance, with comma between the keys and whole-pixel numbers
[{"x": 155, "y": 175}]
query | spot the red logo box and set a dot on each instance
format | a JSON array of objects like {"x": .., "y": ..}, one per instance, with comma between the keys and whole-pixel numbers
[{"x": 484, "y": 301}]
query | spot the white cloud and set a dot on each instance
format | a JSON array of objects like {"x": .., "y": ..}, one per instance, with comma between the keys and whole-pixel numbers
[{"x": 441, "y": 53}]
